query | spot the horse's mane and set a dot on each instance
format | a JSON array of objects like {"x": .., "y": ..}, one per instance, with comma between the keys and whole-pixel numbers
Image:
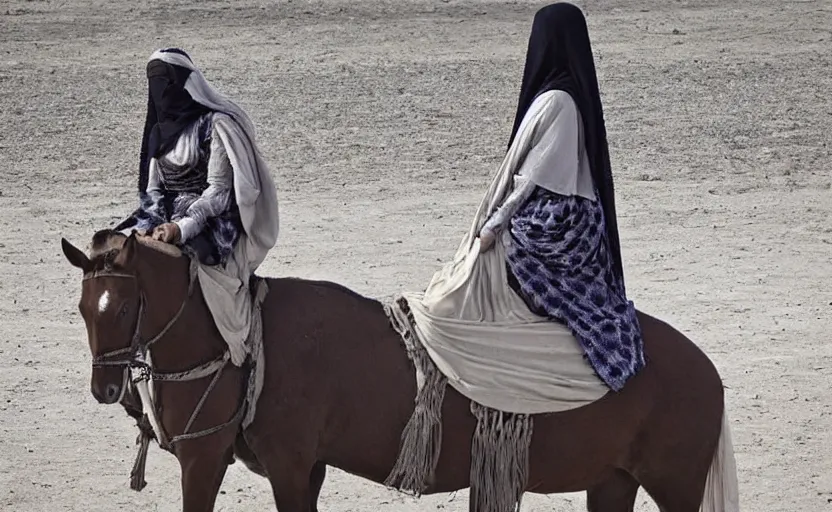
[
  {"x": 106, "y": 240},
  {"x": 107, "y": 243},
  {"x": 105, "y": 246}
]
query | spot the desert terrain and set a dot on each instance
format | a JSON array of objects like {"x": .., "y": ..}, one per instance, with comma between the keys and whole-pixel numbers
[{"x": 382, "y": 122}]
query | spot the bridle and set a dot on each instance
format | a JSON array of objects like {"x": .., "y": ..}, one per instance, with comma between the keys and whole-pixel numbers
[
  {"x": 134, "y": 359},
  {"x": 137, "y": 350}
]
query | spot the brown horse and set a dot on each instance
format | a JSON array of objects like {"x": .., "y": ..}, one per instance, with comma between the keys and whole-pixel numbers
[{"x": 339, "y": 390}]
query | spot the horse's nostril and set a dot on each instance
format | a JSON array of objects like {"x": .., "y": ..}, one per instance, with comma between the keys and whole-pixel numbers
[{"x": 112, "y": 393}]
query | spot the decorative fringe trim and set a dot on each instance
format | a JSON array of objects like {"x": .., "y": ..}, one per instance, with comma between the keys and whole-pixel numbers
[
  {"x": 256, "y": 355},
  {"x": 500, "y": 446},
  {"x": 499, "y": 460},
  {"x": 422, "y": 436},
  {"x": 137, "y": 481}
]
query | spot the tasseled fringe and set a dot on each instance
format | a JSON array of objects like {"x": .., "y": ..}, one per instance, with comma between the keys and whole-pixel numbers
[
  {"x": 500, "y": 446},
  {"x": 256, "y": 355},
  {"x": 137, "y": 481},
  {"x": 422, "y": 436},
  {"x": 499, "y": 460}
]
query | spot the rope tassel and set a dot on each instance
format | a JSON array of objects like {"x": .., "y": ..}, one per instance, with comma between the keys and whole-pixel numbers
[
  {"x": 499, "y": 448},
  {"x": 137, "y": 481}
]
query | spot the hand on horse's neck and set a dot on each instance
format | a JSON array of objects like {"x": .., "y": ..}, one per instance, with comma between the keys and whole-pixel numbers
[{"x": 193, "y": 338}]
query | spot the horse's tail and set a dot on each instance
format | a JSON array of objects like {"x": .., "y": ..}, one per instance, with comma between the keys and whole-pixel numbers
[{"x": 721, "y": 487}]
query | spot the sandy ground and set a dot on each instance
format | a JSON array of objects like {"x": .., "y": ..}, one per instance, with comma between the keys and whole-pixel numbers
[{"x": 382, "y": 121}]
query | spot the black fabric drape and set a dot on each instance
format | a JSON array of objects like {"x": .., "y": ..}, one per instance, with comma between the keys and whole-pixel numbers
[{"x": 559, "y": 57}]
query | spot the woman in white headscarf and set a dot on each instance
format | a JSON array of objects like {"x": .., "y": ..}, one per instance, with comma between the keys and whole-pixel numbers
[{"x": 203, "y": 184}]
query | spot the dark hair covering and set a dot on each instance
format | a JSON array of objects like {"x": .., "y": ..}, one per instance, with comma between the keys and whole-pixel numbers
[
  {"x": 560, "y": 58},
  {"x": 170, "y": 109}
]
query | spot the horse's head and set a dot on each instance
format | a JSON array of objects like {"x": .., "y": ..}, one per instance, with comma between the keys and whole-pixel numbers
[
  {"x": 110, "y": 302},
  {"x": 112, "y": 305}
]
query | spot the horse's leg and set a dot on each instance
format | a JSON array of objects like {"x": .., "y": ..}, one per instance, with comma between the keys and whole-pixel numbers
[
  {"x": 290, "y": 471},
  {"x": 203, "y": 468},
  {"x": 615, "y": 494},
  {"x": 316, "y": 482},
  {"x": 243, "y": 452},
  {"x": 676, "y": 495},
  {"x": 680, "y": 485},
  {"x": 675, "y": 473},
  {"x": 291, "y": 489}
]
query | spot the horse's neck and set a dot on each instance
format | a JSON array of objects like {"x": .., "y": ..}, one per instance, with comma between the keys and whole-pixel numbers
[{"x": 192, "y": 338}]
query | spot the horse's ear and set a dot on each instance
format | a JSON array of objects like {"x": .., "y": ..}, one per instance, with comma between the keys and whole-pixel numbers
[
  {"x": 126, "y": 257},
  {"x": 75, "y": 256}
]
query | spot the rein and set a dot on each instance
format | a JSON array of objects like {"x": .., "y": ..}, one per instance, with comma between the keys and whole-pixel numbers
[{"x": 136, "y": 363}]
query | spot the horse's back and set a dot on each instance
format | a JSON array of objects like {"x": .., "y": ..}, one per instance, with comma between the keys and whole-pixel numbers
[
  {"x": 328, "y": 329},
  {"x": 339, "y": 382}
]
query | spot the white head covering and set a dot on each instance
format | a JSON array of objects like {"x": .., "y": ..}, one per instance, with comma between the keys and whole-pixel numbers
[{"x": 203, "y": 92}]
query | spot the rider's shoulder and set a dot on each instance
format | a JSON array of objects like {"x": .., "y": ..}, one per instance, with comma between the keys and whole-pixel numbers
[{"x": 556, "y": 102}]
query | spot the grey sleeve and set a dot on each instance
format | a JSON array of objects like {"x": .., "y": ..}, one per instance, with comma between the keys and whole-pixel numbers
[
  {"x": 523, "y": 189},
  {"x": 216, "y": 199}
]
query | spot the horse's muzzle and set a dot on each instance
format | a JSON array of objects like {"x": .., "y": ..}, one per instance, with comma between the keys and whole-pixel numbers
[
  {"x": 108, "y": 384},
  {"x": 109, "y": 395}
]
